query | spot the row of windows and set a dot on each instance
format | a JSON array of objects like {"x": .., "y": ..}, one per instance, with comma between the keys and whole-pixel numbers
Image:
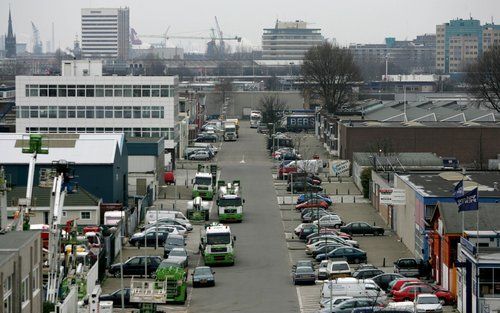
[
  {"x": 90, "y": 112},
  {"x": 99, "y": 91},
  {"x": 168, "y": 133}
]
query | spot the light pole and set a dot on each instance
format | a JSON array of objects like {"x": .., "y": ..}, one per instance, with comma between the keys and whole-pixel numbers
[{"x": 121, "y": 275}]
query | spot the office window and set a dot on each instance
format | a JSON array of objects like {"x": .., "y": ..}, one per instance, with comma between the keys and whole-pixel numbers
[
  {"x": 61, "y": 90},
  {"x": 7, "y": 295},
  {"x": 80, "y": 91},
  {"x": 118, "y": 112},
  {"x": 127, "y": 131},
  {"x": 127, "y": 112},
  {"x": 25, "y": 111},
  {"x": 90, "y": 91},
  {"x": 90, "y": 130},
  {"x": 137, "y": 91},
  {"x": 155, "y": 91},
  {"x": 71, "y": 91},
  {"x": 52, "y": 90},
  {"x": 146, "y": 112},
  {"x": 165, "y": 91},
  {"x": 108, "y": 90},
  {"x": 62, "y": 112},
  {"x": 52, "y": 111},
  {"x": 35, "y": 281},
  {"x": 155, "y": 132},
  {"x": 80, "y": 112},
  {"x": 90, "y": 112},
  {"x": 146, "y": 132},
  {"x": 108, "y": 112},
  {"x": 33, "y": 90},
  {"x": 127, "y": 91},
  {"x": 99, "y": 112},
  {"x": 99, "y": 90},
  {"x": 33, "y": 112},
  {"x": 118, "y": 90},
  {"x": 80, "y": 130},
  {"x": 162, "y": 114},
  {"x": 136, "y": 132},
  {"x": 137, "y": 112},
  {"x": 71, "y": 112},
  {"x": 146, "y": 90},
  {"x": 25, "y": 291},
  {"x": 155, "y": 112},
  {"x": 44, "y": 91},
  {"x": 108, "y": 130}
]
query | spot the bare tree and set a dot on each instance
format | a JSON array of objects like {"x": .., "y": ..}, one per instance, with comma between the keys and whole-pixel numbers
[
  {"x": 327, "y": 72},
  {"x": 483, "y": 79},
  {"x": 272, "y": 108}
]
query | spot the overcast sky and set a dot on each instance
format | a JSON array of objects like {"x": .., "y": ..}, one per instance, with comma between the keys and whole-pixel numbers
[{"x": 349, "y": 21}]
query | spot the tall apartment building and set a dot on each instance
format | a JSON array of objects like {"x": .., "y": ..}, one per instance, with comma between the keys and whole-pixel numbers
[
  {"x": 460, "y": 42},
  {"x": 406, "y": 57},
  {"x": 105, "y": 33},
  {"x": 289, "y": 41},
  {"x": 83, "y": 101}
]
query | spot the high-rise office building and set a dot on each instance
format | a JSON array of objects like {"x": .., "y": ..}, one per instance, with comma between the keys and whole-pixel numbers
[
  {"x": 460, "y": 42},
  {"x": 289, "y": 41},
  {"x": 105, "y": 33}
]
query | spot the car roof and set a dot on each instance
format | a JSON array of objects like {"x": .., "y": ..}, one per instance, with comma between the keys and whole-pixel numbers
[{"x": 176, "y": 236}]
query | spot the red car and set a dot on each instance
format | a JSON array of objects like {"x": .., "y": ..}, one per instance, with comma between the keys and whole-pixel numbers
[
  {"x": 286, "y": 170},
  {"x": 169, "y": 178},
  {"x": 408, "y": 293},
  {"x": 313, "y": 203},
  {"x": 400, "y": 282}
]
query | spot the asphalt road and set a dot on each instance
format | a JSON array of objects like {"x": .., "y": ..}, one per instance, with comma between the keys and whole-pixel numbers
[{"x": 260, "y": 280}]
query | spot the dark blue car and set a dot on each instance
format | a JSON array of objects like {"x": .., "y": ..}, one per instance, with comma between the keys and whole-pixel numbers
[
  {"x": 350, "y": 254},
  {"x": 306, "y": 197}
]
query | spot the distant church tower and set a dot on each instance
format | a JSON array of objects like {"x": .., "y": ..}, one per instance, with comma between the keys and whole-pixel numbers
[{"x": 10, "y": 41}]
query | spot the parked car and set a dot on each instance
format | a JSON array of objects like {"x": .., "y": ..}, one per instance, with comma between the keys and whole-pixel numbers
[
  {"x": 426, "y": 302},
  {"x": 350, "y": 254},
  {"x": 365, "y": 273},
  {"x": 206, "y": 138},
  {"x": 203, "y": 276},
  {"x": 408, "y": 293},
  {"x": 200, "y": 155},
  {"x": 116, "y": 298},
  {"x": 302, "y": 263},
  {"x": 334, "y": 238},
  {"x": 337, "y": 269},
  {"x": 303, "y": 275},
  {"x": 384, "y": 279},
  {"x": 330, "y": 231},
  {"x": 313, "y": 203},
  {"x": 301, "y": 186},
  {"x": 347, "y": 306},
  {"x": 362, "y": 228},
  {"x": 395, "y": 285},
  {"x": 314, "y": 210},
  {"x": 182, "y": 230},
  {"x": 173, "y": 221},
  {"x": 331, "y": 220},
  {"x": 310, "y": 248},
  {"x": 408, "y": 267},
  {"x": 136, "y": 266},
  {"x": 179, "y": 254},
  {"x": 334, "y": 300},
  {"x": 173, "y": 241},
  {"x": 325, "y": 248},
  {"x": 151, "y": 236},
  {"x": 313, "y": 215},
  {"x": 308, "y": 196}
]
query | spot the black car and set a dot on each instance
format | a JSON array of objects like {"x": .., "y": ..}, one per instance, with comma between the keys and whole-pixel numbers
[
  {"x": 307, "y": 230},
  {"x": 173, "y": 241},
  {"x": 301, "y": 186},
  {"x": 362, "y": 228},
  {"x": 366, "y": 273},
  {"x": 136, "y": 266},
  {"x": 206, "y": 138},
  {"x": 350, "y": 254},
  {"x": 326, "y": 248},
  {"x": 150, "y": 236},
  {"x": 383, "y": 280},
  {"x": 203, "y": 276},
  {"x": 116, "y": 297}
]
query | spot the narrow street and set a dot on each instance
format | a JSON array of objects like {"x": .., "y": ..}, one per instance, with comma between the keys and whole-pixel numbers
[{"x": 260, "y": 279}]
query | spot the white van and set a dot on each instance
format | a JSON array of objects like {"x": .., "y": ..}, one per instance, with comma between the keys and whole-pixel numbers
[
  {"x": 152, "y": 215},
  {"x": 112, "y": 218},
  {"x": 352, "y": 287}
]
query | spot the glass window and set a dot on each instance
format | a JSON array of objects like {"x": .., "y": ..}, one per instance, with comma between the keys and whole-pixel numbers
[
  {"x": 90, "y": 130},
  {"x": 155, "y": 132},
  {"x": 33, "y": 112},
  {"x": 118, "y": 112},
  {"x": 146, "y": 132},
  {"x": 52, "y": 130},
  {"x": 137, "y": 112},
  {"x": 99, "y": 90},
  {"x": 146, "y": 112},
  {"x": 61, "y": 91},
  {"x": 108, "y": 112},
  {"x": 62, "y": 112},
  {"x": 34, "y": 91},
  {"x": 90, "y": 112},
  {"x": 90, "y": 91},
  {"x": 43, "y": 90},
  {"x": 25, "y": 112},
  {"x": 127, "y": 131},
  {"x": 71, "y": 90},
  {"x": 155, "y": 112},
  {"x": 80, "y": 91},
  {"x": 25, "y": 290},
  {"x": 165, "y": 91},
  {"x": 99, "y": 112},
  {"x": 127, "y": 91},
  {"x": 43, "y": 111},
  {"x": 118, "y": 90},
  {"x": 155, "y": 90},
  {"x": 136, "y": 132},
  {"x": 146, "y": 90},
  {"x": 52, "y": 111},
  {"x": 71, "y": 130},
  {"x": 71, "y": 112},
  {"x": 137, "y": 90},
  {"x": 85, "y": 215},
  {"x": 26, "y": 91},
  {"x": 52, "y": 91},
  {"x": 108, "y": 130},
  {"x": 108, "y": 91},
  {"x": 36, "y": 280},
  {"x": 162, "y": 114},
  {"x": 80, "y": 130},
  {"x": 127, "y": 112},
  {"x": 99, "y": 130},
  {"x": 80, "y": 112}
]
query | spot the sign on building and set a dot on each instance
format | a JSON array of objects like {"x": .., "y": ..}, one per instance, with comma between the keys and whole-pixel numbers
[
  {"x": 340, "y": 168},
  {"x": 392, "y": 196}
]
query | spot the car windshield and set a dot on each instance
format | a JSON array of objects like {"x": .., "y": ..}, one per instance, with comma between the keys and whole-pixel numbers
[
  {"x": 340, "y": 267},
  {"x": 203, "y": 271},
  {"x": 230, "y": 202},
  {"x": 178, "y": 252},
  {"x": 166, "y": 263},
  {"x": 218, "y": 239},
  {"x": 203, "y": 181},
  {"x": 428, "y": 300}
]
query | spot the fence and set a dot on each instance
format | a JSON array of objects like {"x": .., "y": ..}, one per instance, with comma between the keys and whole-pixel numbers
[
  {"x": 92, "y": 277},
  {"x": 70, "y": 303}
]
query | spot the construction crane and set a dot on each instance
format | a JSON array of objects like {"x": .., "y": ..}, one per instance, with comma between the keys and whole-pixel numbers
[
  {"x": 37, "y": 43},
  {"x": 222, "y": 48},
  {"x": 22, "y": 218}
]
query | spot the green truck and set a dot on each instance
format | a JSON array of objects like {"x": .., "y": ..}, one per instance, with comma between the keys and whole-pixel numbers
[
  {"x": 198, "y": 210},
  {"x": 229, "y": 201},
  {"x": 217, "y": 245},
  {"x": 204, "y": 181}
]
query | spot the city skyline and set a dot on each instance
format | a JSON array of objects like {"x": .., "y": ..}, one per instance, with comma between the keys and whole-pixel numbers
[{"x": 249, "y": 18}]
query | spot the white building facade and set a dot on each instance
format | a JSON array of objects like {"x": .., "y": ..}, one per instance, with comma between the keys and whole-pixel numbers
[
  {"x": 105, "y": 33},
  {"x": 139, "y": 106}
]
